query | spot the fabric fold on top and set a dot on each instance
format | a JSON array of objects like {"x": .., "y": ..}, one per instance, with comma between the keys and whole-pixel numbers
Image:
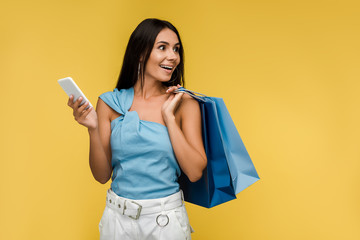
[{"x": 143, "y": 160}]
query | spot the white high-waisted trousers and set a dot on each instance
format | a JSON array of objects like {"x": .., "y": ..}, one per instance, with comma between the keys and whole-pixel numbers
[{"x": 150, "y": 219}]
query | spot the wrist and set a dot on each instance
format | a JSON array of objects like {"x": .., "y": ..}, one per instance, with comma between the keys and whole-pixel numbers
[
  {"x": 93, "y": 130},
  {"x": 169, "y": 119}
]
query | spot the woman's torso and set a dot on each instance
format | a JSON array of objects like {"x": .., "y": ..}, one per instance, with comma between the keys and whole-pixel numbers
[{"x": 143, "y": 161}]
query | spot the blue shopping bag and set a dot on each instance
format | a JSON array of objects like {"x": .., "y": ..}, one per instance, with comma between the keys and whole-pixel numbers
[{"x": 229, "y": 169}]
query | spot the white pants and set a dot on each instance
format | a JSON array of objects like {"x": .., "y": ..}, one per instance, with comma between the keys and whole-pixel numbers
[{"x": 153, "y": 219}]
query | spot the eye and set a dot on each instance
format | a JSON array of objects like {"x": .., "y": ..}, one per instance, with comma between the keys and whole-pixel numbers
[
  {"x": 176, "y": 49},
  {"x": 162, "y": 47}
]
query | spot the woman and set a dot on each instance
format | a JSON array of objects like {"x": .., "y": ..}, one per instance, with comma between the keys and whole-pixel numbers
[{"x": 142, "y": 134}]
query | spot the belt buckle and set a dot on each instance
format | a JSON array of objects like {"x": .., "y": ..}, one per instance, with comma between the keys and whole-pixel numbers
[{"x": 138, "y": 211}]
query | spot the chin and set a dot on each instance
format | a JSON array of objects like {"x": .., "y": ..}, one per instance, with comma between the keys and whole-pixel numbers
[{"x": 164, "y": 80}]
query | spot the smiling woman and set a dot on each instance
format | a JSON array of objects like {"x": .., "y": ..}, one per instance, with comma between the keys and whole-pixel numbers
[
  {"x": 165, "y": 54},
  {"x": 157, "y": 38},
  {"x": 142, "y": 136}
]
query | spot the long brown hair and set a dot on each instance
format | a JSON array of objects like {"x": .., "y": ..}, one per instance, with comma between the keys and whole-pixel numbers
[{"x": 139, "y": 46}]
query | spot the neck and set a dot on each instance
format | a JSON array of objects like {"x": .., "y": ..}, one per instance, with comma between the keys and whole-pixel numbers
[{"x": 151, "y": 88}]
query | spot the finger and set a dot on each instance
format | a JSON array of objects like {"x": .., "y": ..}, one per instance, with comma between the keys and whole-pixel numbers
[
  {"x": 171, "y": 89},
  {"x": 174, "y": 104},
  {"x": 77, "y": 102},
  {"x": 70, "y": 101},
  {"x": 174, "y": 101},
  {"x": 170, "y": 98},
  {"x": 178, "y": 96},
  {"x": 81, "y": 110},
  {"x": 82, "y": 107},
  {"x": 78, "y": 114},
  {"x": 174, "y": 88},
  {"x": 86, "y": 112}
]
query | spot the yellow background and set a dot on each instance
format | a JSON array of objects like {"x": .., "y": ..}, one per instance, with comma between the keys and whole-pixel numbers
[{"x": 287, "y": 70}]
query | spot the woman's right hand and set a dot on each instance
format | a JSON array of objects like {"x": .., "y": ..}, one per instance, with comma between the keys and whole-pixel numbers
[{"x": 85, "y": 117}]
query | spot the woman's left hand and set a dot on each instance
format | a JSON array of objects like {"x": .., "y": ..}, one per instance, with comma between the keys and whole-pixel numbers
[
  {"x": 170, "y": 105},
  {"x": 185, "y": 132}
]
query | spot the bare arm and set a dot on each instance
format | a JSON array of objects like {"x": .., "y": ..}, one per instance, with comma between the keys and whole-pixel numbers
[
  {"x": 186, "y": 138},
  {"x": 100, "y": 152},
  {"x": 98, "y": 124}
]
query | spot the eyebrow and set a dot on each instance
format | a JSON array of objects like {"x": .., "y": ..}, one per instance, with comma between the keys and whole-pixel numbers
[{"x": 166, "y": 43}]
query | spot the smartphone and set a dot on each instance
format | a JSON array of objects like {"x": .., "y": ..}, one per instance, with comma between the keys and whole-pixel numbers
[{"x": 71, "y": 88}]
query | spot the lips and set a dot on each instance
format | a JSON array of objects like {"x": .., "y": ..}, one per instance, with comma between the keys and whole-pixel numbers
[{"x": 167, "y": 68}]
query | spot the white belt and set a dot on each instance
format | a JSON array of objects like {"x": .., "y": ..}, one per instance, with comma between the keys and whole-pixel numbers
[{"x": 135, "y": 208}]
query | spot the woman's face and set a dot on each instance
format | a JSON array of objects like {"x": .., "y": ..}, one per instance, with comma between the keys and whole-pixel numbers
[{"x": 164, "y": 56}]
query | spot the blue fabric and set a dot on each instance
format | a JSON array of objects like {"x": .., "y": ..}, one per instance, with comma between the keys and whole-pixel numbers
[
  {"x": 143, "y": 160},
  {"x": 229, "y": 169}
]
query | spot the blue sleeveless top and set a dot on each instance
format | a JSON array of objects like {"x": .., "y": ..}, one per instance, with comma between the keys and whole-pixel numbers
[{"x": 143, "y": 160}]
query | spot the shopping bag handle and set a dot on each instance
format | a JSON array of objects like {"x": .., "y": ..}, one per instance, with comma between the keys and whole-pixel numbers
[{"x": 196, "y": 95}]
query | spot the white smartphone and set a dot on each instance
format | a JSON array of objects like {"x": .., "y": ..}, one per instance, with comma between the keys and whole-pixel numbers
[{"x": 71, "y": 88}]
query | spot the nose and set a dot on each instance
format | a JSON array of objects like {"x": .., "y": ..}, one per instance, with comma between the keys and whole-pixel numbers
[{"x": 172, "y": 56}]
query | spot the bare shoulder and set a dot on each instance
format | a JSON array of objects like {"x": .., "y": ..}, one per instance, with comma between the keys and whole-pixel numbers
[
  {"x": 102, "y": 106},
  {"x": 188, "y": 103},
  {"x": 104, "y": 111},
  {"x": 187, "y": 97}
]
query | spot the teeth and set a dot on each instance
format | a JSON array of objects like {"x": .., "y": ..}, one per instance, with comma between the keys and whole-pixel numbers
[{"x": 166, "y": 67}]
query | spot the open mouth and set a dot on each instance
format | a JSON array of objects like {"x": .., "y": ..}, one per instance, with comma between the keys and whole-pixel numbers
[{"x": 166, "y": 67}]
